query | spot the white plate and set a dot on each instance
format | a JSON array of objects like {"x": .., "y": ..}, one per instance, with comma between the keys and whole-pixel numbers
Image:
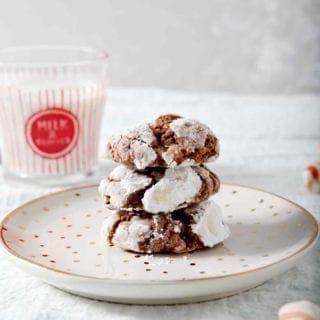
[{"x": 56, "y": 238}]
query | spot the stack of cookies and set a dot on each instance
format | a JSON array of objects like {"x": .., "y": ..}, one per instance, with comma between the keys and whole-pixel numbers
[{"x": 158, "y": 195}]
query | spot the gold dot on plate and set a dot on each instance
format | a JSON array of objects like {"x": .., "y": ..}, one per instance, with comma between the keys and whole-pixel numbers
[
  {"x": 23, "y": 212},
  {"x": 275, "y": 214},
  {"x": 22, "y": 228},
  {"x": 125, "y": 274},
  {"x": 69, "y": 225},
  {"x": 41, "y": 245},
  {"x": 76, "y": 261},
  {"x": 92, "y": 242},
  {"x": 271, "y": 207},
  {"x": 289, "y": 212},
  {"x": 146, "y": 262},
  {"x": 265, "y": 255},
  {"x": 99, "y": 211},
  {"x": 99, "y": 254},
  {"x": 257, "y": 222},
  {"x": 77, "y": 194},
  {"x": 21, "y": 240},
  {"x": 125, "y": 261},
  {"x": 75, "y": 252},
  {"x": 88, "y": 215},
  {"x": 165, "y": 272},
  {"x": 45, "y": 255},
  {"x": 62, "y": 237},
  {"x": 227, "y": 205},
  {"x": 253, "y": 209},
  {"x": 192, "y": 264},
  {"x": 242, "y": 259},
  {"x": 45, "y": 209},
  {"x": 202, "y": 272},
  {"x": 63, "y": 218},
  {"x": 52, "y": 261},
  {"x": 245, "y": 266},
  {"x": 50, "y": 231},
  {"x": 234, "y": 191},
  {"x": 87, "y": 227},
  {"x": 230, "y": 216},
  {"x": 68, "y": 247},
  {"x": 78, "y": 235},
  {"x": 66, "y": 204},
  {"x": 148, "y": 269},
  {"x": 98, "y": 265},
  {"x": 220, "y": 259},
  {"x": 261, "y": 201},
  {"x": 239, "y": 223},
  {"x": 36, "y": 236}
]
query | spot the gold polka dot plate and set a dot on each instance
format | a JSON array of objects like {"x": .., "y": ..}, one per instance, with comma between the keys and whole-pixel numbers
[{"x": 57, "y": 239}]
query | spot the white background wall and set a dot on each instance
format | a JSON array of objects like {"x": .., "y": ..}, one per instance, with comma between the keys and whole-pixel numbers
[{"x": 266, "y": 46}]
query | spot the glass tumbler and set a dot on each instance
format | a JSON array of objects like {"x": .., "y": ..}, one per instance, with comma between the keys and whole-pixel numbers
[{"x": 51, "y": 106}]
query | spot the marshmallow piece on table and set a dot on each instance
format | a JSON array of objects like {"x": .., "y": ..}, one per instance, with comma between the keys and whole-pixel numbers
[{"x": 299, "y": 310}]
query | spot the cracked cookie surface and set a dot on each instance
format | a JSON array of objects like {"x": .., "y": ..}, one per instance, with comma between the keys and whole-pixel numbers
[
  {"x": 158, "y": 190},
  {"x": 181, "y": 231},
  {"x": 168, "y": 141}
]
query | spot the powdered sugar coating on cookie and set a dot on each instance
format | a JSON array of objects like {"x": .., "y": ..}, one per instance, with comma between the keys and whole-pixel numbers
[
  {"x": 129, "y": 233},
  {"x": 157, "y": 189},
  {"x": 120, "y": 184},
  {"x": 208, "y": 223},
  {"x": 181, "y": 231},
  {"x": 168, "y": 141},
  {"x": 193, "y": 131},
  {"x": 108, "y": 224},
  {"x": 133, "y": 146},
  {"x": 175, "y": 190}
]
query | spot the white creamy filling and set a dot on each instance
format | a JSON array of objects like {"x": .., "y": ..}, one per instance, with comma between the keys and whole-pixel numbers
[
  {"x": 195, "y": 131},
  {"x": 129, "y": 234},
  {"x": 121, "y": 183},
  {"x": 174, "y": 190},
  {"x": 209, "y": 225}
]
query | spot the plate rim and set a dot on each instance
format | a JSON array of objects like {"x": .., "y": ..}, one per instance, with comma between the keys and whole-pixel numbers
[{"x": 30, "y": 263}]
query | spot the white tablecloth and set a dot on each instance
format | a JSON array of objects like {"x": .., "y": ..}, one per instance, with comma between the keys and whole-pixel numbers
[{"x": 266, "y": 143}]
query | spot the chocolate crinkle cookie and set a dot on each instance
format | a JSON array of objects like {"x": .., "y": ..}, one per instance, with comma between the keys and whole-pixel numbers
[
  {"x": 169, "y": 141},
  {"x": 180, "y": 231},
  {"x": 157, "y": 190}
]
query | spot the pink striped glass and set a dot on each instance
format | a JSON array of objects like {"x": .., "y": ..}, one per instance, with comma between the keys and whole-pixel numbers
[{"x": 51, "y": 105}]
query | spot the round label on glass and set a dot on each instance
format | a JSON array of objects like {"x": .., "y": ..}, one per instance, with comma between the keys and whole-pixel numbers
[{"x": 52, "y": 133}]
